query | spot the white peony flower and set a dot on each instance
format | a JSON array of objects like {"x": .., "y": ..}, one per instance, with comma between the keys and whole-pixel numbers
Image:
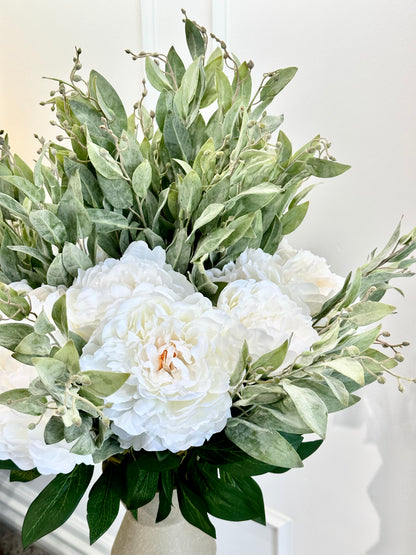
[
  {"x": 26, "y": 448},
  {"x": 180, "y": 354},
  {"x": 305, "y": 277},
  {"x": 269, "y": 316},
  {"x": 99, "y": 287},
  {"x": 308, "y": 280}
]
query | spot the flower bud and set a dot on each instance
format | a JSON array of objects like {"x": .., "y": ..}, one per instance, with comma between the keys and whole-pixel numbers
[
  {"x": 399, "y": 357},
  {"x": 32, "y": 426}
]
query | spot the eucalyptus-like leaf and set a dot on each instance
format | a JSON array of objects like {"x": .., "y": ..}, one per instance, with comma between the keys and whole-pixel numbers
[
  {"x": 102, "y": 161},
  {"x": 34, "y": 344},
  {"x": 142, "y": 178},
  {"x": 310, "y": 407},
  {"x": 274, "y": 359},
  {"x": 53, "y": 374},
  {"x": 57, "y": 274},
  {"x": 74, "y": 259},
  {"x": 189, "y": 192},
  {"x": 261, "y": 440},
  {"x": 106, "y": 221},
  {"x": 350, "y": 367},
  {"x": 23, "y": 401},
  {"x": 326, "y": 168},
  {"x": 109, "y": 102},
  {"x": 194, "y": 39},
  {"x": 31, "y": 191},
  {"x": 68, "y": 354},
  {"x": 368, "y": 312},
  {"x": 11, "y": 334},
  {"x": 104, "y": 384},
  {"x": 12, "y": 304}
]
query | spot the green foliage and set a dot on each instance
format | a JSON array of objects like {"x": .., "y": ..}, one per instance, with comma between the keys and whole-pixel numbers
[
  {"x": 55, "y": 504},
  {"x": 204, "y": 189}
]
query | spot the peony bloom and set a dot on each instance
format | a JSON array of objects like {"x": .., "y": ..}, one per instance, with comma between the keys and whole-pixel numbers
[
  {"x": 269, "y": 316},
  {"x": 180, "y": 354},
  {"x": 26, "y": 448},
  {"x": 303, "y": 276},
  {"x": 99, "y": 287}
]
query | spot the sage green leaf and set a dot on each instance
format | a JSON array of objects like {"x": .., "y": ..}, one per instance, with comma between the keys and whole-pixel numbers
[
  {"x": 23, "y": 401},
  {"x": 194, "y": 39},
  {"x": 242, "y": 84},
  {"x": 310, "y": 407},
  {"x": 368, "y": 312},
  {"x": 174, "y": 64},
  {"x": 338, "y": 389},
  {"x": 73, "y": 432},
  {"x": 31, "y": 191},
  {"x": 11, "y": 334},
  {"x": 211, "y": 242},
  {"x": 30, "y": 251},
  {"x": 239, "y": 228},
  {"x": 102, "y": 161},
  {"x": 271, "y": 239},
  {"x": 109, "y": 102},
  {"x": 48, "y": 226},
  {"x": 117, "y": 191},
  {"x": 104, "y": 384},
  {"x": 87, "y": 114},
  {"x": 57, "y": 274},
  {"x": 91, "y": 192},
  {"x": 74, "y": 259},
  {"x": 72, "y": 212},
  {"x": 12, "y": 304},
  {"x": 277, "y": 82},
  {"x": 177, "y": 139},
  {"x": 55, "y": 504},
  {"x": 293, "y": 218},
  {"x": 208, "y": 215},
  {"x": 163, "y": 106},
  {"x": 272, "y": 360},
  {"x": 103, "y": 502},
  {"x": 362, "y": 340},
  {"x": 253, "y": 199},
  {"x": 14, "y": 207},
  {"x": 68, "y": 354},
  {"x": 141, "y": 486},
  {"x": 262, "y": 441},
  {"x": 54, "y": 430},
  {"x": 130, "y": 153},
  {"x": 215, "y": 62},
  {"x": 59, "y": 315},
  {"x": 109, "y": 448},
  {"x": 326, "y": 168},
  {"x": 349, "y": 367},
  {"x": 260, "y": 394},
  {"x": 179, "y": 252},
  {"x": 240, "y": 368},
  {"x": 224, "y": 90},
  {"x": 53, "y": 374},
  {"x": 156, "y": 76},
  {"x": 189, "y": 192},
  {"x": 194, "y": 510},
  {"x": 84, "y": 445},
  {"x": 34, "y": 344},
  {"x": 142, "y": 178},
  {"x": 106, "y": 221}
]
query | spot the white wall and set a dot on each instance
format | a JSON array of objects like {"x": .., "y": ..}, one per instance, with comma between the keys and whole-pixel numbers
[{"x": 356, "y": 85}]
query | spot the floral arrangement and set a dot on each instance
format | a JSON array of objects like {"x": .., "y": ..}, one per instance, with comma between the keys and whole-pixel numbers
[{"x": 155, "y": 319}]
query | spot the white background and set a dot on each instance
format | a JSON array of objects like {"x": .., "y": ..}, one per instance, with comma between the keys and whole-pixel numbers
[{"x": 356, "y": 86}]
